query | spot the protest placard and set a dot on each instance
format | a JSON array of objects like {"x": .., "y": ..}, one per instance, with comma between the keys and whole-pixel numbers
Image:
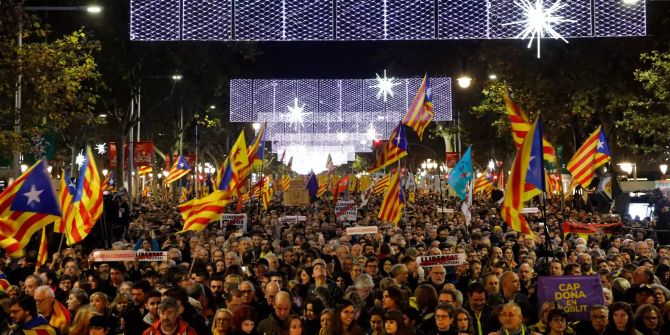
[
  {"x": 296, "y": 195},
  {"x": 362, "y": 230},
  {"x": 114, "y": 255},
  {"x": 444, "y": 260},
  {"x": 152, "y": 256},
  {"x": 238, "y": 221},
  {"x": 346, "y": 210},
  {"x": 577, "y": 294}
]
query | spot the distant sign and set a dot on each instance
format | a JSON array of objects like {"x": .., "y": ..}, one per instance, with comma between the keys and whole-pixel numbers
[
  {"x": 362, "y": 230},
  {"x": 152, "y": 256},
  {"x": 530, "y": 210},
  {"x": 296, "y": 195},
  {"x": 114, "y": 255},
  {"x": 239, "y": 221},
  {"x": 443, "y": 260},
  {"x": 292, "y": 219},
  {"x": 445, "y": 210},
  {"x": 346, "y": 210}
]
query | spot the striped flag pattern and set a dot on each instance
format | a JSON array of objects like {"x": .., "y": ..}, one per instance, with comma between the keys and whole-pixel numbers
[
  {"x": 26, "y": 206},
  {"x": 420, "y": 112},
  {"x": 393, "y": 203},
  {"x": 324, "y": 182},
  {"x": 395, "y": 148},
  {"x": 382, "y": 184},
  {"x": 483, "y": 184},
  {"x": 518, "y": 187},
  {"x": 42, "y": 253},
  {"x": 145, "y": 170},
  {"x": 60, "y": 319},
  {"x": 86, "y": 205},
  {"x": 179, "y": 169},
  {"x": 266, "y": 195},
  {"x": 285, "y": 183},
  {"x": 109, "y": 183},
  {"x": 591, "y": 155},
  {"x": 521, "y": 126}
]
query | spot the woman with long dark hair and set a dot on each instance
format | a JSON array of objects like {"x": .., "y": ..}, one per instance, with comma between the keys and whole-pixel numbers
[
  {"x": 648, "y": 320},
  {"x": 621, "y": 321},
  {"x": 343, "y": 321},
  {"x": 394, "y": 323}
]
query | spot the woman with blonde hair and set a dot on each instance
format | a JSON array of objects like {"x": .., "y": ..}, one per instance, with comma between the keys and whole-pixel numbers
[
  {"x": 80, "y": 321},
  {"x": 222, "y": 324}
]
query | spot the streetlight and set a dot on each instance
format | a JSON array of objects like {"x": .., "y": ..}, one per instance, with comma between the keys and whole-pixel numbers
[
  {"x": 464, "y": 81},
  {"x": 493, "y": 76},
  {"x": 177, "y": 77},
  {"x": 16, "y": 159},
  {"x": 628, "y": 168},
  {"x": 256, "y": 126},
  {"x": 664, "y": 169}
]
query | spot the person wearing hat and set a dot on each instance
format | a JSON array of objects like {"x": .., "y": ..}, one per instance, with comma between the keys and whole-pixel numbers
[{"x": 98, "y": 325}]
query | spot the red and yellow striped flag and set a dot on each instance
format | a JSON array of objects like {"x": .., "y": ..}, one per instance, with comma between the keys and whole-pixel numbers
[
  {"x": 483, "y": 184},
  {"x": 395, "y": 148},
  {"x": 393, "y": 203},
  {"x": 42, "y": 253},
  {"x": 86, "y": 206},
  {"x": 553, "y": 184},
  {"x": 285, "y": 183},
  {"x": 382, "y": 184},
  {"x": 144, "y": 170},
  {"x": 420, "y": 112},
  {"x": 60, "y": 319},
  {"x": 324, "y": 182},
  {"x": 179, "y": 169},
  {"x": 26, "y": 206},
  {"x": 591, "y": 155},
  {"x": 521, "y": 126},
  {"x": 40, "y": 330},
  {"x": 266, "y": 195}
]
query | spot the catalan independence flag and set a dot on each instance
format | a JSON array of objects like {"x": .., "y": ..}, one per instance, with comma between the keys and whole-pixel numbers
[
  {"x": 26, "y": 206},
  {"x": 324, "y": 182},
  {"x": 525, "y": 181},
  {"x": 266, "y": 195},
  {"x": 198, "y": 213},
  {"x": 483, "y": 184},
  {"x": 593, "y": 154},
  {"x": 393, "y": 203},
  {"x": 60, "y": 318},
  {"x": 66, "y": 193},
  {"x": 42, "y": 253},
  {"x": 44, "y": 329},
  {"x": 178, "y": 170},
  {"x": 86, "y": 206},
  {"x": 395, "y": 148},
  {"x": 109, "y": 183},
  {"x": 257, "y": 148},
  {"x": 285, "y": 183},
  {"x": 420, "y": 112},
  {"x": 145, "y": 170},
  {"x": 382, "y": 184},
  {"x": 521, "y": 126}
]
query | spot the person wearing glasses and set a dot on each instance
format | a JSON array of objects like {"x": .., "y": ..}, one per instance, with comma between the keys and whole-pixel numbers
[
  {"x": 596, "y": 324},
  {"x": 223, "y": 322},
  {"x": 344, "y": 320},
  {"x": 444, "y": 319},
  {"x": 648, "y": 320},
  {"x": 558, "y": 322}
]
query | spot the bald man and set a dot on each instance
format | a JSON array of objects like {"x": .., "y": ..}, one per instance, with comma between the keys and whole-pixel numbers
[
  {"x": 511, "y": 321},
  {"x": 277, "y": 322}
]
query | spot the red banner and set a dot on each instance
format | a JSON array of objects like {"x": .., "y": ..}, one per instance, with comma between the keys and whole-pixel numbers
[
  {"x": 589, "y": 228},
  {"x": 143, "y": 154},
  {"x": 451, "y": 158}
]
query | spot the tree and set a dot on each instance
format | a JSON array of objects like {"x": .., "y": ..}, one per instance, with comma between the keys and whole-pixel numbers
[
  {"x": 644, "y": 125},
  {"x": 59, "y": 82}
]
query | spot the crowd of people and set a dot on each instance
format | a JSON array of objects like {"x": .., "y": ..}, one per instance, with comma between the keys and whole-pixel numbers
[{"x": 310, "y": 277}]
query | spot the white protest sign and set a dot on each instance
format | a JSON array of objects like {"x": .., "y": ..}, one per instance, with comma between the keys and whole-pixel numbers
[
  {"x": 445, "y": 210},
  {"x": 443, "y": 260},
  {"x": 292, "y": 219},
  {"x": 530, "y": 210},
  {"x": 114, "y": 255},
  {"x": 346, "y": 210},
  {"x": 152, "y": 256},
  {"x": 362, "y": 230},
  {"x": 237, "y": 220}
]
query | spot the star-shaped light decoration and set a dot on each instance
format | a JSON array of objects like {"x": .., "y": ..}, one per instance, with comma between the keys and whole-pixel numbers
[
  {"x": 33, "y": 195},
  {"x": 101, "y": 148},
  {"x": 341, "y": 137},
  {"x": 384, "y": 86},
  {"x": 539, "y": 21},
  {"x": 296, "y": 115},
  {"x": 80, "y": 159}
]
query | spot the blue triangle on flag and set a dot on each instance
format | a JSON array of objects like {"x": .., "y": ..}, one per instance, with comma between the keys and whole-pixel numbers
[{"x": 36, "y": 193}]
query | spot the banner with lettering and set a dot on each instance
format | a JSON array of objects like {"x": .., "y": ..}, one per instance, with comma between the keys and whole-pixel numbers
[
  {"x": 443, "y": 260},
  {"x": 577, "y": 294},
  {"x": 143, "y": 154}
]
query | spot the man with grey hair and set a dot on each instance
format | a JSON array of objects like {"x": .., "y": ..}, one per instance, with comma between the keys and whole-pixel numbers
[
  {"x": 45, "y": 299},
  {"x": 31, "y": 283},
  {"x": 169, "y": 321},
  {"x": 399, "y": 274}
]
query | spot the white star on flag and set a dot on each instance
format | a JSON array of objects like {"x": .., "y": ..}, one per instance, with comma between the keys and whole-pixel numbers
[
  {"x": 599, "y": 145},
  {"x": 33, "y": 195},
  {"x": 181, "y": 165}
]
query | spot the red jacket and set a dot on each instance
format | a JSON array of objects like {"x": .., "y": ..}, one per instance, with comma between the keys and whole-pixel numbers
[{"x": 182, "y": 328}]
